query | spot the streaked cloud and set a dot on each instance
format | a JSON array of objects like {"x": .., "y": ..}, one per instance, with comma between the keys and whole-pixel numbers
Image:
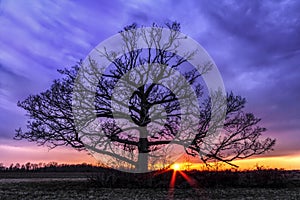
[{"x": 255, "y": 44}]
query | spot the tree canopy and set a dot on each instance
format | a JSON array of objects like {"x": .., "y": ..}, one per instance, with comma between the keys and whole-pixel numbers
[{"x": 130, "y": 130}]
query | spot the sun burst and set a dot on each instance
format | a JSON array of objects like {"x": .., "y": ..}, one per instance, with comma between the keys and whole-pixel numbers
[{"x": 176, "y": 166}]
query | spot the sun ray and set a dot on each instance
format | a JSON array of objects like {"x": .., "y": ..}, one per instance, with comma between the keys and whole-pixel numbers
[
  {"x": 172, "y": 185},
  {"x": 189, "y": 179}
]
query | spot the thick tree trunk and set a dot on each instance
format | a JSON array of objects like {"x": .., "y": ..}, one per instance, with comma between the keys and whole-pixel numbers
[
  {"x": 143, "y": 146},
  {"x": 142, "y": 165}
]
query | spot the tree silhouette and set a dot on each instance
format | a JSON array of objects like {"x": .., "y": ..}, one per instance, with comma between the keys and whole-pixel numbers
[{"x": 135, "y": 130}]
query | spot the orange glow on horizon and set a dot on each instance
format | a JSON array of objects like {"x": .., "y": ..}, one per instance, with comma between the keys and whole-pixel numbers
[
  {"x": 279, "y": 162},
  {"x": 285, "y": 162}
]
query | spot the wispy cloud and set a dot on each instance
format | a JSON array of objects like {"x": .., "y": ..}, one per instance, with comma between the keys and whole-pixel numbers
[{"x": 255, "y": 44}]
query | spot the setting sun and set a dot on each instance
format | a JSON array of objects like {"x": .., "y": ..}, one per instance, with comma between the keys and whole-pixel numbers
[{"x": 176, "y": 166}]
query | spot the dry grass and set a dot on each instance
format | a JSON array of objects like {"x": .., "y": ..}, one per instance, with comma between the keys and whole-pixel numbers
[{"x": 84, "y": 190}]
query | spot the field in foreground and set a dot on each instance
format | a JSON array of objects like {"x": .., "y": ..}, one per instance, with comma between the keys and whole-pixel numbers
[
  {"x": 74, "y": 189},
  {"x": 112, "y": 184}
]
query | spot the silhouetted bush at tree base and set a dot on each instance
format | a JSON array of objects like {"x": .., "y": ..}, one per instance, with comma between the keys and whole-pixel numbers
[{"x": 257, "y": 178}]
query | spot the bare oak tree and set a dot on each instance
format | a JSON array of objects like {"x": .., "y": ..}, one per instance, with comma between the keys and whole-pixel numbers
[{"x": 132, "y": 130}]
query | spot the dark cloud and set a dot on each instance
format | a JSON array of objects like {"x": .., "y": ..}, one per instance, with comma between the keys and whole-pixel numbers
[{"x": 256, "y": 45}]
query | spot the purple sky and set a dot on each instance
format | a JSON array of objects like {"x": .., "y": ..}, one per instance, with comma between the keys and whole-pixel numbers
[{"x": 255, "y": 44}]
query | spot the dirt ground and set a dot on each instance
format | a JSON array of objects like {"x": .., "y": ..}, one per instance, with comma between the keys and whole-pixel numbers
[{"x": 80, "y": 189}]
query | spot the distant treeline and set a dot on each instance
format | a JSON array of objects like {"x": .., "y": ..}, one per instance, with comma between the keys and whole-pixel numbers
[{"x": 51, "y": 167}]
